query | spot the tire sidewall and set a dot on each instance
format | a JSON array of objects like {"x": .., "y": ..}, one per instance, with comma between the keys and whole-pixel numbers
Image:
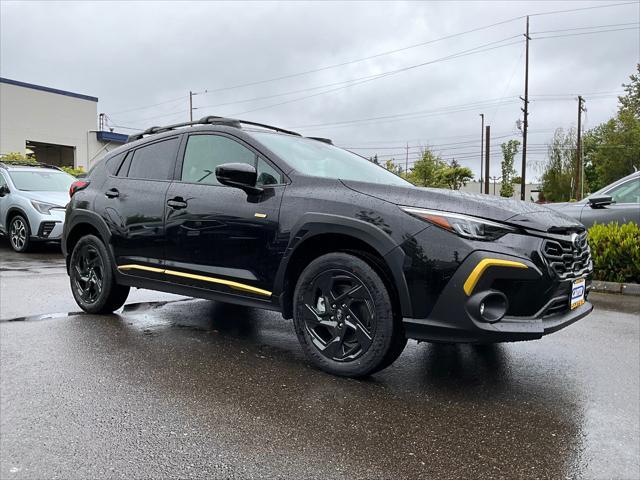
[
  {"x": 384, "y": 328},
  {"x": 107, "y": 280}
]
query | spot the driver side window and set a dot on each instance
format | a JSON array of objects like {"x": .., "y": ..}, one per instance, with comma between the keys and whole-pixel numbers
[
  {"x": 206, "y": 152},
  {"x": 628, "y": 192}
]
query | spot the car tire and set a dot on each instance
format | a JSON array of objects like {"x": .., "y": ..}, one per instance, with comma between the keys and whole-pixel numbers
[
  {"x": 92, "y": 280},
  {"x": 344, "y": 317},
  {"x": 20, "y": 234}
]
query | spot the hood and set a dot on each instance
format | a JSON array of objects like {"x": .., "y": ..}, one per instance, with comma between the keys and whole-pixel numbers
[
  {"x": 514, "y": 212},
  {"x": 57, "y": 198}
]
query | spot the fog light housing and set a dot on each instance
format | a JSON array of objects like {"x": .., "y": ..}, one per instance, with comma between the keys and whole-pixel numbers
[{"x": 489, "y": 306}]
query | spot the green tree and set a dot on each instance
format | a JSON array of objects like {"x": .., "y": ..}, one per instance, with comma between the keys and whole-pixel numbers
[
  {"x": 455, "y": 176},
  {"x": 391, "y": 166},
  {"x": 509, "y": 151},
  {"x": 630, "y": 101},
  {"x": 427, "y": 172},
  {"x": 612, "y": 149},
  {"x": 558, "y": 176}
]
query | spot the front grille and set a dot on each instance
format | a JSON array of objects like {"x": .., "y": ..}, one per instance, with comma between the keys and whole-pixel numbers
[
  {"x": 45, "y": 229},
  {"x": 570, "y": 258}
]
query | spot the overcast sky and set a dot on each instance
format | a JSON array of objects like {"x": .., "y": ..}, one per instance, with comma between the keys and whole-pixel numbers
[{"x": 134, "y": 56}]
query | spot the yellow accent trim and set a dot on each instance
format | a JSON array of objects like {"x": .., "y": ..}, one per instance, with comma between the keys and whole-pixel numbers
[
  {"x": 140, "y": 267},
  {"x": 229, "y": 283},
  {"x": 482, "y": 266},
  {"x": 260, "y": 215}
]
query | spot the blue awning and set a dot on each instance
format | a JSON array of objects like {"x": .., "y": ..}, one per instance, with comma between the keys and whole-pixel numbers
[{"x": 111, "y": 137}]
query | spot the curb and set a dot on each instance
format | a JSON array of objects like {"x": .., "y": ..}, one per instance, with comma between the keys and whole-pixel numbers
[{"x": 614, "y": 287}]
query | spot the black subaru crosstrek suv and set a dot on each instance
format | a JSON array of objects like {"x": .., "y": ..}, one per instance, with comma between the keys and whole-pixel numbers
[{"x": 361, "y": 260}]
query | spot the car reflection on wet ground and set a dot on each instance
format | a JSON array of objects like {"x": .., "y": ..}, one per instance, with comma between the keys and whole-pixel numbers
[{"x": 192, "y": 388}]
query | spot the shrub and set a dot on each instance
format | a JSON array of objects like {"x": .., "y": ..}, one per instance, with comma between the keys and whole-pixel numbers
[
  {"x": 616, "y": 252},
  {"x": 76, "y": 172}
]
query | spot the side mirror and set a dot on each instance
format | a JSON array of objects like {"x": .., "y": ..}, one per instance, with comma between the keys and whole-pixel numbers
[
  {"x": 4, "y": 190},
  {"x": 239, "y": 175},
  {"x": 600, "y": 201}
]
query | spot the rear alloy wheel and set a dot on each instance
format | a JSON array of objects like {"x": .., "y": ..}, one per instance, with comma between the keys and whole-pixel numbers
[
  {"x": 92, "y": 280},
  {"x": 19, "y": 234},
  {"x": 343, "y": 316}
]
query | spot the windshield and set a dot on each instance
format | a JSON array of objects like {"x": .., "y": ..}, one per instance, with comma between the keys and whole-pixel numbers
[
  {"x": 41, "y": 180},
  {"x": 318, "y": 159}
]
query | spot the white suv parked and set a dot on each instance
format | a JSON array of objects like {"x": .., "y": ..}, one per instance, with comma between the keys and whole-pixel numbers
[{"x": 32, "y": 202}]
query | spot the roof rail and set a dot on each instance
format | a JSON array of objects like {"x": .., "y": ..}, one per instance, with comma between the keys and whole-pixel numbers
[
  {"x": 18, "y": 163},
  {"x": 208, "y": 120}
]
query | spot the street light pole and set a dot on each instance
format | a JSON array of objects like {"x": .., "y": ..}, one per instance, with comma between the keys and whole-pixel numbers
[{"x": 481, "y": 150}]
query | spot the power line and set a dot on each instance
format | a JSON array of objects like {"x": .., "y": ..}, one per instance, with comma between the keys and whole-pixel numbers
[
  {"x": 585, "y": 33},
  {"x": 585, "y": 28},
  {"x": 581, "y": 8},
  {"x": 370, "y": 57},
  {"x": 464, "y": 53}
]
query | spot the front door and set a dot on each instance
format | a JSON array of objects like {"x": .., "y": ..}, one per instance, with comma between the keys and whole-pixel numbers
[
  {"x": 220, "y": 238},
  {"x": 133, "y": 203}
]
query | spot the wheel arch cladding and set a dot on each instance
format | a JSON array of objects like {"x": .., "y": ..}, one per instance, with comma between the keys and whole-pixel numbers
[
  {"x": 321, "y": 235},
  {"x": 13, "y": 212},
  {"x": 84, "y": 223}
]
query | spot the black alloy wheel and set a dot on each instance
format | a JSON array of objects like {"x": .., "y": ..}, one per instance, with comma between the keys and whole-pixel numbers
[
  {"x": 339, "y": 315},
  {"x": 91, "y": 274},
  {"x": 88, "y": 273},
  {"x": 344, "y": 316}
]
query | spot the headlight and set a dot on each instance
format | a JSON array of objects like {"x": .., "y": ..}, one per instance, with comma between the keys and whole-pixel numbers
[
  {"x": 44, "y": 207},
  {"x": 463, "y": 225}
]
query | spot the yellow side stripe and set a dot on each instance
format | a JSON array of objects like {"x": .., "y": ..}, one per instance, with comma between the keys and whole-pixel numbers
[
  {"x": 229, "y": 283},
  {"x": 482, "y": 266}
]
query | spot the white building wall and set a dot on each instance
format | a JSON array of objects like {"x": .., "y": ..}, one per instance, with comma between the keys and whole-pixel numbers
[{"x": 41, "y": 116}]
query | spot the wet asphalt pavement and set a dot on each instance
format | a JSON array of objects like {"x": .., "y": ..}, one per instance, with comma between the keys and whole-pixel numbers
[{"x": 173, "y": 387}]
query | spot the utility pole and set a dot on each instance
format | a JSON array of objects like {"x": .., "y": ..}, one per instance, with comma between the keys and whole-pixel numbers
[
  {"x": 406, "y": 161},
  {"x": 486, "y": 159},
  {"x": 481, "y": 149},
  {"x": 190, "y": 106},
  {"x": 526, "y": 115},
  {"x": 579, "y": 169}
]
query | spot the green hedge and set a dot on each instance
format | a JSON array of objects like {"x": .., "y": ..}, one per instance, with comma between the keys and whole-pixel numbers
[{"x": 616, "y": 252}]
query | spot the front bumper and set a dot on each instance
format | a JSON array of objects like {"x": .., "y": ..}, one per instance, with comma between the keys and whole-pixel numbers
[
  {"x": 47, "y": 227},
  {"x": 538, "y": 303}
]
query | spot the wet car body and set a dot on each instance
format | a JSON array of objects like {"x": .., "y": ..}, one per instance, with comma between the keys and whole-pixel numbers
[{"x": 256, "y": 245}]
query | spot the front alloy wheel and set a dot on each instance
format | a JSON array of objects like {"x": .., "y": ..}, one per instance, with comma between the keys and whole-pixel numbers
[
  {"x": 339, "y": 315},
  {"x": 344, "y": 316},
  {"x": 19, "y": 234}
]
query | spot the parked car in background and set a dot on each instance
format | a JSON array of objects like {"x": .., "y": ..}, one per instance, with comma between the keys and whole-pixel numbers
[
  {"x": 33, "y": 197},
  {"x": 618, "y": 202},
  {"x": 360, "y": 258}
]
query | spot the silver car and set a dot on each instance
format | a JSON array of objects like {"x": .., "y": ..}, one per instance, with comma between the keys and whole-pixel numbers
[
  {"x": 32, "y": 202},
  {"x": 618, "y": 202}
]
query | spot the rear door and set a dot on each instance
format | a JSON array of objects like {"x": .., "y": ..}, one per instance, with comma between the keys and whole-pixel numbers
[
  {"x": 220, "y": 238},
  {"x": 132, "y": 204}
]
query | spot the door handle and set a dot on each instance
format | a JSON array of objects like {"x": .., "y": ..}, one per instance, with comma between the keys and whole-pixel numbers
[
  {"x": 112, "y": 193},
  {"x": 177, "y": 203}
]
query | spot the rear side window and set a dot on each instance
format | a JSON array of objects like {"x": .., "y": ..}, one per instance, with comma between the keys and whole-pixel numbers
[{"x": 155, "y": 161}]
